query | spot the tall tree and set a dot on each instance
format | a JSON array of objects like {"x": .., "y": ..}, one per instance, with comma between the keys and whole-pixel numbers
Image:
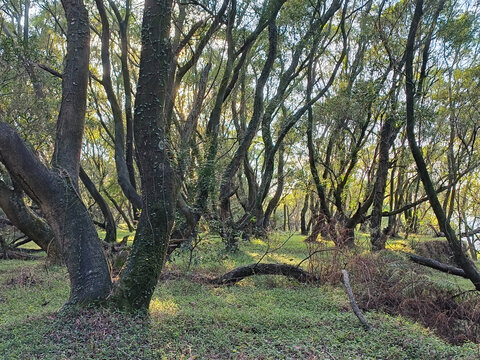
[
  {"x": 56, "y": 189},
  {"x": 455, "y": 244}
]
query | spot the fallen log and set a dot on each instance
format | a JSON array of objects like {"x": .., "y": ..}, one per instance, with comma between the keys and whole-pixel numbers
[
  {"x": 8, "y": 254},
  {"x": 437, "y": 265},
  {"x": 243, "y": 272}
]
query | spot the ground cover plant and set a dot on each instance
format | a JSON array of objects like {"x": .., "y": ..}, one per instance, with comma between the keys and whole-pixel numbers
[
  {"x": 261, "y": 317},
  {"x": 162, "y": 158}
]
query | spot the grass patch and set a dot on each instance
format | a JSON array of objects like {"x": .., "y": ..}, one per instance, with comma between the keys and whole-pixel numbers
[{"x": 259, "y": 318}]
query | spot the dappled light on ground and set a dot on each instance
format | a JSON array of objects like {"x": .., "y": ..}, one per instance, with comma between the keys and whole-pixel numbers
[{"x": 163, "y": 308}]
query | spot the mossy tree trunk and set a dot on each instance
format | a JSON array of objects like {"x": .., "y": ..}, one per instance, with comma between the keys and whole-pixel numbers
[{"x": 158, "y": 179}]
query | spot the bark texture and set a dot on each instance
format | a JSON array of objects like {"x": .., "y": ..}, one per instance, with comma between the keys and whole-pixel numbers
[
  {"x": 27, "y": 221},
  {"x": 159, "y": 183},
  {"x": 56, "y": 190},
  {"x": 387, "y": 135},
  {"x": 69, "y": 219}
]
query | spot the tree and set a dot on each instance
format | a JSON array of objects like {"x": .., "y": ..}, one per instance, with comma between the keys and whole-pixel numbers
[
  {"x": 455, "y": 244},
  {"x": 56, "y": 189},
  {"x": 218, "y": 117}
]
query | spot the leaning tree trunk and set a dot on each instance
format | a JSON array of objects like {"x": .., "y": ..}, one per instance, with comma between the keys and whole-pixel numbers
[
  {"x": 455, "y": 243},
  {"x": 56, "y": 190},
  {"x": 29, "y": 223},
  {"x": 109, "y": 221}
]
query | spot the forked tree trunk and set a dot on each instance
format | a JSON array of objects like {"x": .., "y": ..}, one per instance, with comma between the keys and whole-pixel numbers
[
  {"x": 56, "y": 190},
  {"x": 123, "y": 173},
  {"x": 250, "y": 131}
]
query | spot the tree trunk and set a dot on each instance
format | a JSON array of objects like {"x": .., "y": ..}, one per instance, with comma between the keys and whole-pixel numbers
[
  {"x": 387, "y": 135},
  {"x": 242, "y": 272},
  {"x": 120, "y": 211},
  {"x": 127, "y": 88},
  {"x": 56, "y": 191},
  {"x": 249, "y": 134},
  {"x": 109, "y": 221},
  {"x": 437, "y": 265},
  {"x": 278, "y": 191},
  {"x": 455, "y": 244},
  {"x": 159, "y": 182},
  {"x": 392, "y": 228},
  {"x": 303, "y": 215},
  {"x": 123, "y": 173},
  {"x": 68, "y": 217},
  {"x": 29, "y": 223}
]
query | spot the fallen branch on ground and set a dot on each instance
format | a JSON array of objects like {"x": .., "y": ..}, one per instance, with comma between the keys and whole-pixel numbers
[
  {"x": 353, "y": 303},
  {"x": 242, "y": 272},
  {"x": 437, "y": 265},
  {"x": 8, "y": 254}
]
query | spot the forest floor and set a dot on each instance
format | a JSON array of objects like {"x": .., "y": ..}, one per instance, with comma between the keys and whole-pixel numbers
[{"x": 262, "y": 317}]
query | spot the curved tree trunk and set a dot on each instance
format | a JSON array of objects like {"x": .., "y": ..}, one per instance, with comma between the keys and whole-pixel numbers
[
  {"x": 56, "y": 190},
  {"x": 123, "y": 173},
  {"x": 68, "y": 217},
  {"x": 29, "y": 223},
  {"x": 455, "y": 243},
  {"x": 243, "y": 272},
  {"x": 207, "y": 172},
  {"x": 127, "y": 88},
  {"x": 249, "y": 134}
]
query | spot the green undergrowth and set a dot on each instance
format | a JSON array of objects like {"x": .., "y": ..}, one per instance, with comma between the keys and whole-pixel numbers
[{"x": 259, "y": 318}]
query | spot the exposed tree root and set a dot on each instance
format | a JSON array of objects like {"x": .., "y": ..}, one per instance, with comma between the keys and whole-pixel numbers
[{"x": 243, "y": 272}]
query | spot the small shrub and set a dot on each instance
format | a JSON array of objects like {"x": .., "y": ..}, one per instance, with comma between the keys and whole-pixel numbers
[
  {"x": 435, "y": 249},
  {"x": 388, "y": 282}
]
